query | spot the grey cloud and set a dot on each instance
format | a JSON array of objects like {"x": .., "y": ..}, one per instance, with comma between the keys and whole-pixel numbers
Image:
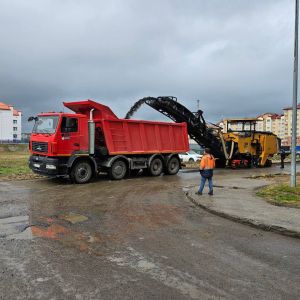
[{"x": 233, "y": 55}]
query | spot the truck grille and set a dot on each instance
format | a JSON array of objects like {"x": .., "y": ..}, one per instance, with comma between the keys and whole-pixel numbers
[{"x": 40, "y": 147}]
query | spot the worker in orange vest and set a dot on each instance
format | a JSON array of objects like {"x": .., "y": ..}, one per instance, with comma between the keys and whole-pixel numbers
[{"x": 207, "y": 165}]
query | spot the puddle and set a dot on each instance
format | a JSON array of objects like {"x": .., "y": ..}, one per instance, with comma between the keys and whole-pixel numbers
[
  {"x": 54, "y": 228},
  {"x": 19, "y": 228},
  {"x": 186, "y": 188}
]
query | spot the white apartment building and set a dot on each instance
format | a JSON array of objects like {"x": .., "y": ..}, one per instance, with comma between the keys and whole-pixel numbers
[
  {"x": 288, "y": 126},
  {"x": 272, "y": 123},
  {"x": 264, "y": 122},
  {"x": 10, "y": 123}
]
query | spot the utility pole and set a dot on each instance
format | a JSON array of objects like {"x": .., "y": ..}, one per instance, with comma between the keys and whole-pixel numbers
[{"x": 295, "y": 87}]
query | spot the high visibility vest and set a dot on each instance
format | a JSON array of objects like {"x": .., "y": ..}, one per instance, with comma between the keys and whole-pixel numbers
[{"x": 207, "y": 162}]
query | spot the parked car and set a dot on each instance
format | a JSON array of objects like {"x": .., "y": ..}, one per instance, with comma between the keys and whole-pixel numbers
[
  {"x": 190, "y": 156},
  {"x": 197, "y": 149}
]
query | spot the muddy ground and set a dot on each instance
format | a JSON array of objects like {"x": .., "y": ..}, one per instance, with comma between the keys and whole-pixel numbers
[{"x": 137, "y": 238}]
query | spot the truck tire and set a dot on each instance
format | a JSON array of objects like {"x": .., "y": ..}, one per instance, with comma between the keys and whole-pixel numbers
[
  {"x": 81, "y": 172},
  {"x": 118, "y": 170},
  {"x": 156, "y": 167},
  {"x": 191, "y": 160},
  {"x": 173, "y": 166}
]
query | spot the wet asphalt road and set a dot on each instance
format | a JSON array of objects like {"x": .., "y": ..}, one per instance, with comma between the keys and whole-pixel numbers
[{"x": 138, "y": 238}]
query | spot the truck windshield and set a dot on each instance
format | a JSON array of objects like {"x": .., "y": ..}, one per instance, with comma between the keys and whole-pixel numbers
[{"x": 45, "y": 124}]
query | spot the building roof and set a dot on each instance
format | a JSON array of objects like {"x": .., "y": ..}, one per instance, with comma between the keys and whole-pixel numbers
[
  {"x": 276, "y": 116},
  {"x": 290, "y": 108},
  {"x": 16, "y": 113},
  {"x": 241, "y": 120},
  {"x": 265, "y": 115},
  {"x": 4, "y": 106}
]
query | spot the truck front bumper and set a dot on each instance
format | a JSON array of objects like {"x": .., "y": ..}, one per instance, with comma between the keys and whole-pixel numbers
[{"x": 47, "y": 166}]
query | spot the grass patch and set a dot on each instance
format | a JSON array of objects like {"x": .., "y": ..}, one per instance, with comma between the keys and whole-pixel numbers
[
  {"x": 281, "y": 194},
  {"x": 14, "y": 163}
]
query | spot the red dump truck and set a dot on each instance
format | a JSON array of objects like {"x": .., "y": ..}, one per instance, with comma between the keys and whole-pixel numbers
[{"x": 93, "y": 139}]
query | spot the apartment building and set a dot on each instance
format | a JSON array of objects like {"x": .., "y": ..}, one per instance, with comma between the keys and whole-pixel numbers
[
  {"x": 286, "y": 141},
  {"x": 271, "y": 122},
  {"x": 264, "y": 122},
  {"x": 10, "y": 123}
]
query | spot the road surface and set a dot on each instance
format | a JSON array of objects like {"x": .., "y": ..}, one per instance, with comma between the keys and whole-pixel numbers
[{"x": 138, "y": 238}]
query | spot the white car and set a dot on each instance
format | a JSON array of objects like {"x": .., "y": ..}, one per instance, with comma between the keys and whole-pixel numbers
[{"x": 190, "y": 156}]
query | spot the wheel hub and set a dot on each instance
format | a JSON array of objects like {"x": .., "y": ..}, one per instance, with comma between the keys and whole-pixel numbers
[
  {"x": 82, "y": 172},
  {"x": 118, "y": 170}
]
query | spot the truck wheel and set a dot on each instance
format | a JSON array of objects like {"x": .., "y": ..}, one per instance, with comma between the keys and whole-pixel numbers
[
  {"x": 156, "y": 167},
  {"x": 117, "y": 170},
  {"x": 191, "y": 160},
  {"x": 81, "y": 172},
  {"x": 173, "y": 166}
]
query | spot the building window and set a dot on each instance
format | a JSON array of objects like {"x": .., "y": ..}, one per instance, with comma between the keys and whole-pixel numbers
[
  {"x": 15, "y": 136},
  {"x": 15, "y": 122},
  {"x": 15, "y": 128}
]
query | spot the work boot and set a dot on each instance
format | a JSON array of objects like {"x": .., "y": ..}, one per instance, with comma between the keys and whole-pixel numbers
[
  {"x": 198, "y": 193},
  {"x": 211, "y": 193}
]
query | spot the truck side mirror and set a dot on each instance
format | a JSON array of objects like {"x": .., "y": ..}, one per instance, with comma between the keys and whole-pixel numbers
[{"x": 30, "y": 119}]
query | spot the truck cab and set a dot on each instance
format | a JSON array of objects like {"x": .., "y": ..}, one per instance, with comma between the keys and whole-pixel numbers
[{"x": 55, "y": 138}]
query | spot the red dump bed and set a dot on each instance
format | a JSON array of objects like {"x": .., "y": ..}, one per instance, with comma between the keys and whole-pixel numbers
[
  {"x": 132, "y": 136},
  {"x": 124, "y": 136}
]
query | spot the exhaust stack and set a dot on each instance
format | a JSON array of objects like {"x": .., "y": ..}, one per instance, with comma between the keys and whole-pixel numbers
[{"x": 91, "y": 125}]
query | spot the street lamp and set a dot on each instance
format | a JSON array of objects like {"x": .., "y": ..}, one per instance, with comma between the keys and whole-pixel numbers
[{"x": 295, "y": 87}]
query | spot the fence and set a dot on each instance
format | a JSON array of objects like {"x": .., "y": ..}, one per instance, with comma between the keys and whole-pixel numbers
[{"x": 23, "y": 141}]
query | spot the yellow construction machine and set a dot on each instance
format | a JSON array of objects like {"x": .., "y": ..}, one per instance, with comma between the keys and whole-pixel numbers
[{"x": 245, "y": 147}]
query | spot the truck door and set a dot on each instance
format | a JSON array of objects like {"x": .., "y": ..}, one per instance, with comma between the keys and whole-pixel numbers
[{"x": 69, "y": 136}]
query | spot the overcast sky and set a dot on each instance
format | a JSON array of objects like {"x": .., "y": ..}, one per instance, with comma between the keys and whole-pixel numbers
[{"x": 235, "y": 56}]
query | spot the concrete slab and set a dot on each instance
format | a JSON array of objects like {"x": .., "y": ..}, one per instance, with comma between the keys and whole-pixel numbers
[
  {"x": 73, "y": 218},
  {"x": 13, "y": 225}
]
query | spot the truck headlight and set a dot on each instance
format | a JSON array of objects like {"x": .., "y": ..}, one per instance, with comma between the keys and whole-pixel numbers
[{"x": 51, "y": 167}]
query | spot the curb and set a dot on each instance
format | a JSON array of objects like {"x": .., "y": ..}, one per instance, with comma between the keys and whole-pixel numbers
[{"x": 249, "y": 222}]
